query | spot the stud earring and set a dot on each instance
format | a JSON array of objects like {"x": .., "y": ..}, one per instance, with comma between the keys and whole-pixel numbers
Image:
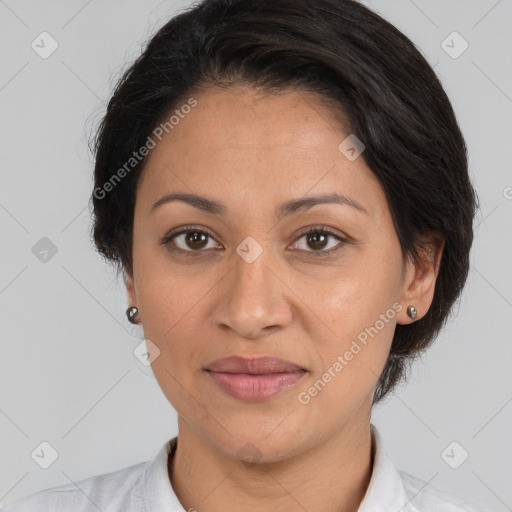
[
  {"x": 130, "y": 313},
  {"x": 411, "y": 312}
]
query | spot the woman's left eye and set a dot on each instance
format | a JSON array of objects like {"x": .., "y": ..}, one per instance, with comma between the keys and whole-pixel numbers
[
  {"x": 318, "y": 238},
  {"x": 192, "y": 240}
]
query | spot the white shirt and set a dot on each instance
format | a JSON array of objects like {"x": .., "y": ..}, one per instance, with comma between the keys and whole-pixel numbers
[{"x": 145, "y": 487}]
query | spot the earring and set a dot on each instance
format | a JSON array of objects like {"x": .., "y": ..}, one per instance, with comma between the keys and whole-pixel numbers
[
  {"x": 411, "y": 312},
  {"x": 130, "y": 313}
]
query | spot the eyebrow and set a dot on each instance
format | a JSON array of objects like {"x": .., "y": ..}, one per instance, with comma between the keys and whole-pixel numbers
[{"x": 211, "y": 206}]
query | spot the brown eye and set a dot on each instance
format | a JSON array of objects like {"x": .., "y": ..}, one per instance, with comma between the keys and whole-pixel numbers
[
  {"x": 196, "y": 239},
  {"x": 317, "y": 240},
  {"x": 188, "y": 240}
]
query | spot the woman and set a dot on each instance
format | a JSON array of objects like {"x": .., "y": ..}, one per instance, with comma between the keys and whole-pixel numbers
[{"x": 284, "y": 187}]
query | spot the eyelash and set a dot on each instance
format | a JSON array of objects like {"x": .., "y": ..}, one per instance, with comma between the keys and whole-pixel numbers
[{"x": 192, "y": 229}]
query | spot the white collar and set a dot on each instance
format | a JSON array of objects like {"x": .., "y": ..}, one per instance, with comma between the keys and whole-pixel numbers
[
  {"x": 386, "y": 490},
  {"x": 158, "y": 491}
]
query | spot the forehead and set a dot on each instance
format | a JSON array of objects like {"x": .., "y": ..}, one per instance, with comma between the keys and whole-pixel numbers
[
  {"x": 253, "y": 118},
  {"x": 245, "y": 142}
]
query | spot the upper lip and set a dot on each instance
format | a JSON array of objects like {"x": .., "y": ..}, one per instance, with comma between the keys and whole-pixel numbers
[{"x": 256, "y": 365}]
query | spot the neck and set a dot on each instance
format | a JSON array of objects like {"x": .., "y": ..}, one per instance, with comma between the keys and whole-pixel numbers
[{"x": 332, "y": 476}]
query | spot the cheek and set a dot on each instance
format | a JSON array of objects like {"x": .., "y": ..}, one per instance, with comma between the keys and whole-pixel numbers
[
  {"x": 167, "y": 293},
  {"x": 356, "y": 296},
  {"x": 351, "y": 353},
  {"x": 173, "y": 301},
  {"x": 356, "y": 321}
]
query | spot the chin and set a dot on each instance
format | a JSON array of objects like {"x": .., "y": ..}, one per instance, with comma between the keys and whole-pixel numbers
[{"x": 263, "y": 440}]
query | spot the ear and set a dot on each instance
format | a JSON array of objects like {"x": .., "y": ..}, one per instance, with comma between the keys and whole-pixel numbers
[
  {"x": 130, "y": 289},
  {"x": 420, "y": 278}
]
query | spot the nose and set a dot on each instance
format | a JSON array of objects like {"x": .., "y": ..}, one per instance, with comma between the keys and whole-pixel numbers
[{"x": 253, "y": 299}]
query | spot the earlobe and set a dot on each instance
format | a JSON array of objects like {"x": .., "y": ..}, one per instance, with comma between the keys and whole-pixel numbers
[{"x": 132, "y": 311}]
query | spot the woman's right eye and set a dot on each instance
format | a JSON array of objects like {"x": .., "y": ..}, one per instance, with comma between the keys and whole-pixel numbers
[{"x": 187, "y": 240}]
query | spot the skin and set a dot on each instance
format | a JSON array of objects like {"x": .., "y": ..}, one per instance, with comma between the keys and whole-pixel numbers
[{"x": 253, "y": 152}]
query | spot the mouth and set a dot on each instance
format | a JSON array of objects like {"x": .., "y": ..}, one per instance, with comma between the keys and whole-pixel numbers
[{"x": 254, "y": 379}]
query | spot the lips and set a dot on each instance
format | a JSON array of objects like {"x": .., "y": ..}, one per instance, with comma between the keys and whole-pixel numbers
[
  {"x": 254, "y": 379},
  {"x": 255, "y": 366}
]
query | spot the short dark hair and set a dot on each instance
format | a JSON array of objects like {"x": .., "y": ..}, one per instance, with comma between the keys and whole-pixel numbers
[{"x": 358, "y": 63}]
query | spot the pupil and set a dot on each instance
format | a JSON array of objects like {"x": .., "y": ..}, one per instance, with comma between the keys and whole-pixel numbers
[
  {"x": 197, "y": 239},
  {"x": 314, "y": 238}
]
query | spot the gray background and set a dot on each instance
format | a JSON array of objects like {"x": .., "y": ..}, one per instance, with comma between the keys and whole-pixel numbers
[{"x": 67, "y": 372}]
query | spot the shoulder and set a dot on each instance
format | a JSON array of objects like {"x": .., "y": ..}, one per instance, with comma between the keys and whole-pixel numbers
[
  {"x": 425, "y": 497},
  {"x": 117, "y": 490}
]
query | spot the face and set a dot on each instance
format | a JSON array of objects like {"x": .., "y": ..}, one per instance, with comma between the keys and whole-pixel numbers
[{"x": 243, "y": 280}]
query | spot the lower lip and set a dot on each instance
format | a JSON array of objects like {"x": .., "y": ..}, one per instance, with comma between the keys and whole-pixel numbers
[{"x": 252, "y": 388}]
